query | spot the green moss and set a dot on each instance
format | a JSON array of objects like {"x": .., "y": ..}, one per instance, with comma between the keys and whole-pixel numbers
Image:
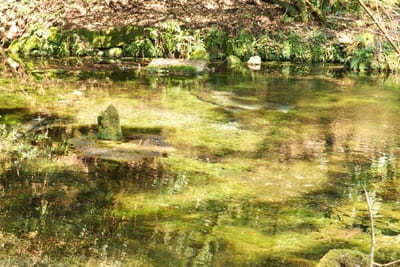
[
  {"x": 16, "y": 46},
  {"x": 55, "y": 35},
  {"x": 32, "y": 43},
  {"x": 109, "y": 127},
  {"x": 199, "y": 54},
  {"x": 233, "y": 61},
  {"x": 366, "y": 40},
  {"x": 344, "y": 258},
  {"x": 113, "y": 52}
]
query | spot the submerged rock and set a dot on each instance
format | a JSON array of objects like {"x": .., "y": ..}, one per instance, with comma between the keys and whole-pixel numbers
[
  {"x": 109, "y": 124},
  {"x": 177, "y": 66},
  {"x": 344, "y": 258},
  {"x": 118, "y": 160},
  {"x": 200, "y": 54}
]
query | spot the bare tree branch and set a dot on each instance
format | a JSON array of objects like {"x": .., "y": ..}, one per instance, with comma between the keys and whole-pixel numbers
[{"x": 383, "y": 30}]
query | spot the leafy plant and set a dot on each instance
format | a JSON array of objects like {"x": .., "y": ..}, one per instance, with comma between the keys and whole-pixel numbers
[
  {"x": 243, "y": 46},
  {"x": 299, "y": 48},
  {"x": 216, "y": 43},
  {"x": 361, "y": 60}
]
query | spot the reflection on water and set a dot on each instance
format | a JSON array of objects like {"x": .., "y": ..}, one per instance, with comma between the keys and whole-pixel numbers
[{"x": 264, "y": 168}]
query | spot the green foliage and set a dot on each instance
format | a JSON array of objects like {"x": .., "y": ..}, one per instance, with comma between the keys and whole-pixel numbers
[
  {"x": 299, "y": 48},
  {"x": 365, "y": 40},
  {"x": 169, "y": 41},
  {"x": 199, "y": 54},
  {"x": 179, "y": 43},
  {"x": 318, "y": 46},
  {"x": 173, "y": 41},
  {"x": 361, "y": 60},
  {"x": 147, "y": 44},
  {"x": 243, "y": 46},
  {"x": 340, "y": 6},
  {"x": 262, "y": 45},
  {"x": 390, "y": 62},
  {"x": 268, "y": 48},
  {"x": 286, "y": 51},
  {"x": 216, "y": 43},
  {"x": 172, "y": 37}
]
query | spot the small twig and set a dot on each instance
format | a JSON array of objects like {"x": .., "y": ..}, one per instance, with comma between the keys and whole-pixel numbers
[
  {"x": 371, "y": 217},
  {"x": 341, "y": 18},
  {"x": 387, "y": 264}
]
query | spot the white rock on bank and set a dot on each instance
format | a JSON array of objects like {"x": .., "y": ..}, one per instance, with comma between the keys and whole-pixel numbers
[{"x": 256, "y": 60}]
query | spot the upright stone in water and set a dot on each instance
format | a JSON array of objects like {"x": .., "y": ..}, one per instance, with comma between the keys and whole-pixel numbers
[{"x": 109, "y": 125}]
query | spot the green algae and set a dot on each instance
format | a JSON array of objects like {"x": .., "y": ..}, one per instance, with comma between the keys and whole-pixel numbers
[{"x": 258, "y": 186}]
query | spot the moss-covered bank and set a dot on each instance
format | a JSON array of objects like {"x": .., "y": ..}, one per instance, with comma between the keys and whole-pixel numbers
[{"x": 358, "y": 52}]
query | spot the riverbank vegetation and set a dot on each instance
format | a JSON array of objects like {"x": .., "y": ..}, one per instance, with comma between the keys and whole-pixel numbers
[
  {"x": 231, "y": 166},
  {"x": 309, "y": 32}
]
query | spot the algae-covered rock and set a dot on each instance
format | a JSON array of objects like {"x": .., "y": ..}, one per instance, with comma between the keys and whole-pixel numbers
[
  {"x": 177, "y": 66},
  {"x": 109, "y": 125},
  {"x": 344, "y": 258},
  {"x": 199, "y": 54},
  {"x": 113, "y": 52},
  {"x": 122, "y": 160},
  {"x": 233, "y": 61}
]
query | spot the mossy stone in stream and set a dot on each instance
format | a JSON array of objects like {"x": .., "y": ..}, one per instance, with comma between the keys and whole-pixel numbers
[
  {"x": 344, "y": 258},
  {"x": 109, "y": 124},
  {"x": 233, "y": 61},
  {"x": 113, "y": 52},
  {"x": 200, "y": 54}
]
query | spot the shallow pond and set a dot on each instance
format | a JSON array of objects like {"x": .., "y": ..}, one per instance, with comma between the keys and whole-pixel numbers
[{"x": 257, "y": 168}]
